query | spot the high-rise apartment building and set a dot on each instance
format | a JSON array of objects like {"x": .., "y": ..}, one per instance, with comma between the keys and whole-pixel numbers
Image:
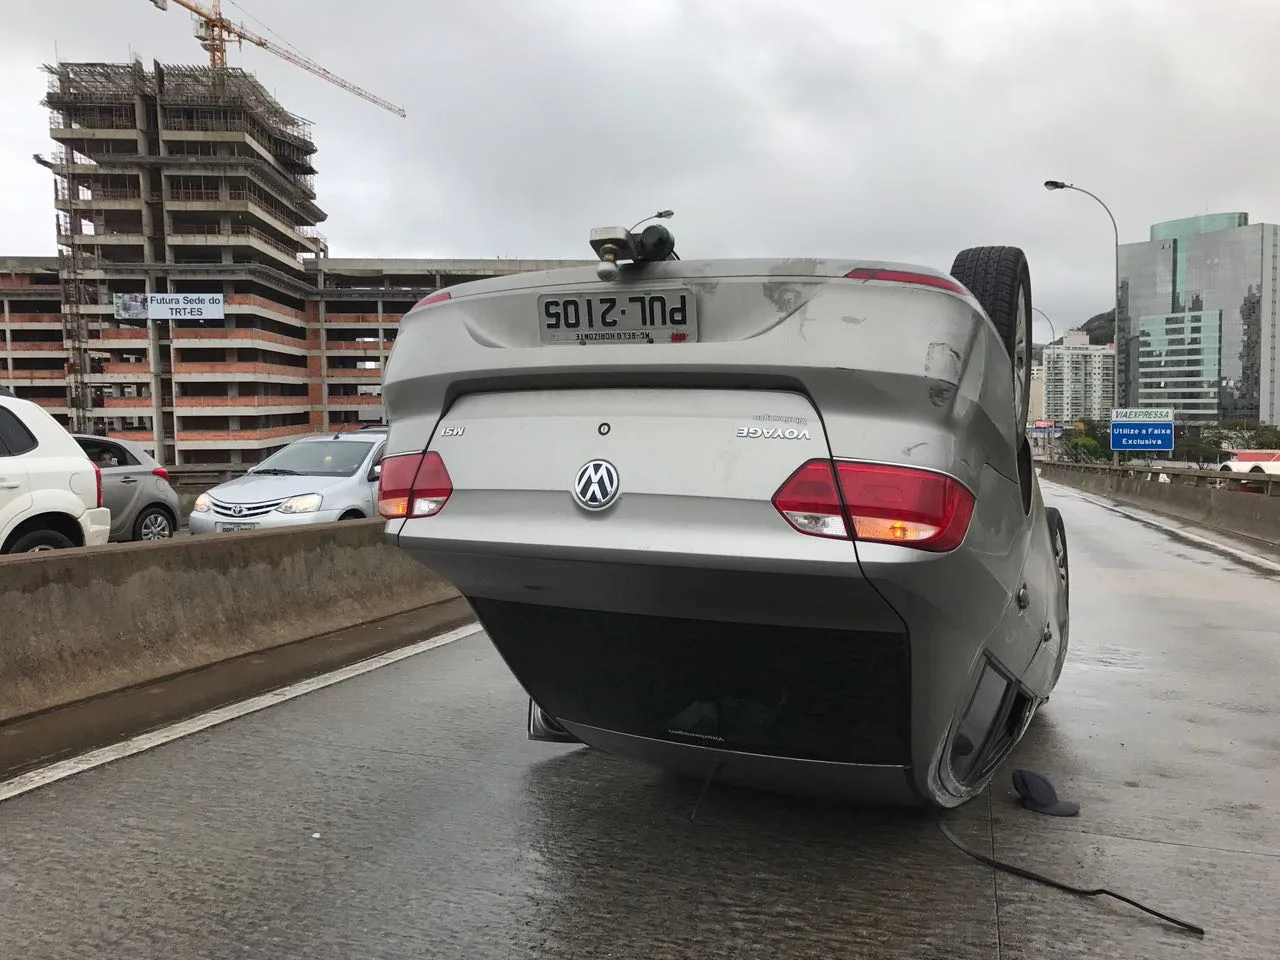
[
  {"x": 1079, "y": 379},
  {"x": 1035, "y": 402},
  {"x": 1197, "y": 329}
]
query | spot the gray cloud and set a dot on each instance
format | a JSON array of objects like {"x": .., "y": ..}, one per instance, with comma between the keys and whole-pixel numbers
[{"x": 891, "y": 131}]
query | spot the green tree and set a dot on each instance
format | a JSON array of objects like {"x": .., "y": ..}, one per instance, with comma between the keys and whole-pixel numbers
[
  {"x": 1265, "y": 437},
  {"x": 1232, "y": 434},
  {"x": 1084, "y": 448},
  {"x": 1087, "y": 440},
  {"x": 1201, "y": 450},
  {"x": 1241, "y": 435}
]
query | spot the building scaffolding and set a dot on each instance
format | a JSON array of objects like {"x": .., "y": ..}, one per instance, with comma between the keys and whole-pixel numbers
[
  {"x": 124, "y": 133},
  {"x": 179, "y": 179},
  {"x": 71, "y": 84},
  {"x": 84, "y": 95},
  {"x": 230, "y": 88},
  {"x": 75, "y": 294}
]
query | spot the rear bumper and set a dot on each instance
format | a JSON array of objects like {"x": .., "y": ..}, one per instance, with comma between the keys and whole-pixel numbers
[
  {"x": 863, "y": 783},
  {"x": 96, "y": 525},
  {"x": 724, "y": 589}
]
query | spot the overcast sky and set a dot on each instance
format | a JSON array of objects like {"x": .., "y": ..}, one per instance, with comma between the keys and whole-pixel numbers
[{"x": 846, "y": 128}]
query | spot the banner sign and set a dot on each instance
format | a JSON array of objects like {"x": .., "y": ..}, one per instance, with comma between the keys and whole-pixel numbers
[
  {"x": 169, "y": 306},
  {"x": 1148, "y": 414}
]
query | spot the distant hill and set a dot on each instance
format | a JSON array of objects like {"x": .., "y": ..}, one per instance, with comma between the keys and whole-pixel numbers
[{"x": 1101, "y": 328}]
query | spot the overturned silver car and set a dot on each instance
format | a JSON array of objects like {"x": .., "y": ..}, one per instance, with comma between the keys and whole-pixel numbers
[{"x": 772, "y": 518}]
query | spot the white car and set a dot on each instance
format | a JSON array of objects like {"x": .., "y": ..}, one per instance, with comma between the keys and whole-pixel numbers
[{"x": 50, "y": 491}]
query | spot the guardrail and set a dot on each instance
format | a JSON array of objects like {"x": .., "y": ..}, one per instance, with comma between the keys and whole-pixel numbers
[
  {"x": 1240, "y": 504},
  {"x": 1234, "y": 480}
]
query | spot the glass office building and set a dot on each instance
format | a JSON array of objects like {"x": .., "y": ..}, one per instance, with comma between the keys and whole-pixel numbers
[{"x": 1197, "y": 329}]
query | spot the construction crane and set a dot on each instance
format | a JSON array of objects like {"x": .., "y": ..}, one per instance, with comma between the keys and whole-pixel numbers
[{"x": 214, "y": 30}]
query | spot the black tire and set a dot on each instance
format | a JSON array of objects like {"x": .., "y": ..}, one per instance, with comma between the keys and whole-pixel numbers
[
  {"x": 39, "y": 540},
  {"x": 1058, "y": 537},
  {"x": 1062, "y": 560},
  {"x": 1001, "y": 281},
  {"x": 153, "y": 523},
  {"x": 351, "y": 515}
]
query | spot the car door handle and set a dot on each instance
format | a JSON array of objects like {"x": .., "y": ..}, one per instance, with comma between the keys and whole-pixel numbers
[
  {"x": 9, "y": 484},
  {"x": 129, "y": 480}
]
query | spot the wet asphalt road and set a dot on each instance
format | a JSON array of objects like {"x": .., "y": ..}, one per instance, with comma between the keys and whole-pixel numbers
[{"x": 442, "y": 832}]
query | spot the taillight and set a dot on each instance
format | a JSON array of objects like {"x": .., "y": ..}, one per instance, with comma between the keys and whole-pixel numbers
[
  {"x": 97, "y": 478},
  {"x": 916, "y": 508},
  {"x": 906, "y": 276},
  {"x": 413, "y": 485},
  {"x": 880, "y": 504},
  {"x": 810, "y": 501},
  {"x": 161, "y": 472},
  {"x": 440, "y": 296}
]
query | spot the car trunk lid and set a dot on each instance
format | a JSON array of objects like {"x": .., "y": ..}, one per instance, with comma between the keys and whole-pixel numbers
[{"x": 684, "y": 472}]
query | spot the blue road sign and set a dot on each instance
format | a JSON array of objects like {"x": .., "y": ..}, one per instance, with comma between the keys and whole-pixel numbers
[{"x": 1142, "y": 435}]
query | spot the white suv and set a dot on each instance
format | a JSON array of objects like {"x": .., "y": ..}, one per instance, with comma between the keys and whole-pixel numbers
[{"x": 50, "y": 491}]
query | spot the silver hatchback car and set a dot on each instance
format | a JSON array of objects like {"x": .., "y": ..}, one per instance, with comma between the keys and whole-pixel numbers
[
  {"x": 333, "y": 476},
  {"x": 143, "y": 504},
  {"x": 775, "y": 521}
]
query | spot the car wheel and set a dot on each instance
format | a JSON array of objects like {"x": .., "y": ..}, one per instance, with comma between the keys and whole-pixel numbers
[
  {"x": 153, "y": 524},
  {"x": 1000, "y": 280},
  {"x": 38, "y": 541},
  {"x": 1062, "y": 562},
  {"x": 351, "y": 515}
]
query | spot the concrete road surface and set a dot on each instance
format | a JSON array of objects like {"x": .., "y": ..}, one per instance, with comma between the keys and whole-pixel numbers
[{"x": 402, "y": 814}]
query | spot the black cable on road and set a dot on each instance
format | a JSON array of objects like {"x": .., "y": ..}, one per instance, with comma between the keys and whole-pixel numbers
[{"x": 1059, "y": 885}]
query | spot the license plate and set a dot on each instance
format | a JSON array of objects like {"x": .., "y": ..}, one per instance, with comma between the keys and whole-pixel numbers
[
  {"x": 236, "y": 527},
  {"x": 625, "y": 316}
]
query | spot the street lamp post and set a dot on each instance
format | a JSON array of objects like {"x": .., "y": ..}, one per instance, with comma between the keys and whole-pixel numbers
[
  {"x": 1047, "y": 319},
  {"x": 1115, "y": 322}
]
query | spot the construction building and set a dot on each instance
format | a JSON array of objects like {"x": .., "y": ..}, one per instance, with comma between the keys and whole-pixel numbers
[{"x": 192, "y": 306}]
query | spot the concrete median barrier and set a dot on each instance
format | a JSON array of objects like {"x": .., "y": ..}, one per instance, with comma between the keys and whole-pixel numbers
[
  {"x": 81, "y": 623},
  {"x": 1187, "y": 496}
]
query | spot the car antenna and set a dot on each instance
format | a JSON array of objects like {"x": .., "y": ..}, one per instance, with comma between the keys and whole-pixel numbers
[
  {"x": 660, "y": 215},
  {"x": 715, "y": 768}
]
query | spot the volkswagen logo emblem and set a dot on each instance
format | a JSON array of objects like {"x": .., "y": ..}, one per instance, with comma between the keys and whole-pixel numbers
[{"x": 596, "y": 486}]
